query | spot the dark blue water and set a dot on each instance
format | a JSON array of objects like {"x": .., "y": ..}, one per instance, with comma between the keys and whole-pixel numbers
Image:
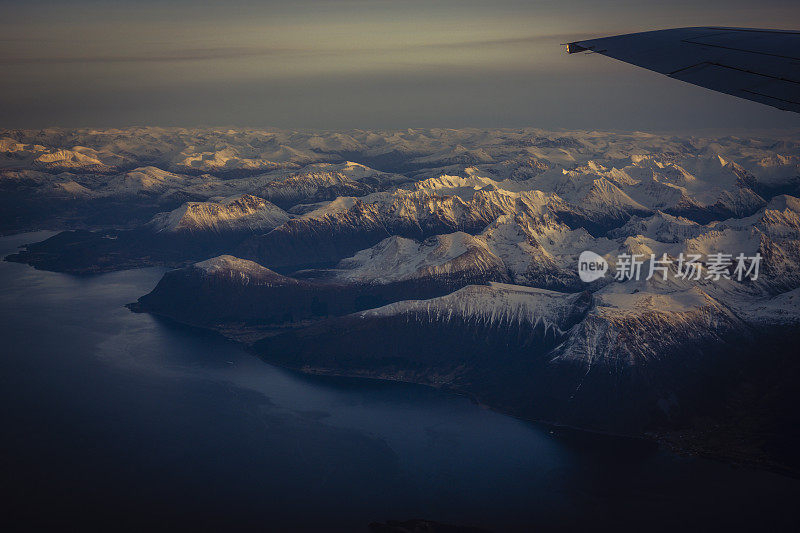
[{"x": 120, "y": 420}]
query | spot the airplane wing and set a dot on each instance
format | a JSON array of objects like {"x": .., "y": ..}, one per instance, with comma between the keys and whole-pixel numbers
[{"x": 758, "y": 65}]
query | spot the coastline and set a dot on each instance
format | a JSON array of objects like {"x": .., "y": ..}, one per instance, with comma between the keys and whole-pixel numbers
[{"x": 684, "y": 442}]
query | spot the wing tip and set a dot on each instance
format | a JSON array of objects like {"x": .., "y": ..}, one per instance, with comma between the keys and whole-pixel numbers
[{"x": 574, "y": 48}]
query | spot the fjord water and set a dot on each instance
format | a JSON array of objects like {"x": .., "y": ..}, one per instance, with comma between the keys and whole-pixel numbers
[{"x": 123, "y": 420}]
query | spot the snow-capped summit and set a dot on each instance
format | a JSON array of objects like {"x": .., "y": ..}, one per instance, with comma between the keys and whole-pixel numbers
[
  {"x": 493, "y": 305},
  {"x": 240, "y": 271},
  {"x": 397, "y": 259},
  {"x": 237, "y": 213},
  {"x": 326, "y": 181}
]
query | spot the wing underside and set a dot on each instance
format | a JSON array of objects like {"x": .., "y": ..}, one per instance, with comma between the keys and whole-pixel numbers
[{"x": 758, "y": 65}]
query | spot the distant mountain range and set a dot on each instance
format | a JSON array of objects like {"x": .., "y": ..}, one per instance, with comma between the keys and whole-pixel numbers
[{"x": 449, "y": 258}]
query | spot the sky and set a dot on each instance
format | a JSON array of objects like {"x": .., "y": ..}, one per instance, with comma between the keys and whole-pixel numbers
[{"x": 342, "y": 64}]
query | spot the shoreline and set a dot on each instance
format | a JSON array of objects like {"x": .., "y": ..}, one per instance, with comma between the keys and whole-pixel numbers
[
  {"x": 680, "y": 442},
  {"x": 660, "y": 438}
]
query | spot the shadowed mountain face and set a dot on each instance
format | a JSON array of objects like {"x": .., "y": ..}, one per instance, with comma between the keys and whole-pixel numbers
[
  {"x": 228, "y": 290},
  {"x": 449, "y": 258}
]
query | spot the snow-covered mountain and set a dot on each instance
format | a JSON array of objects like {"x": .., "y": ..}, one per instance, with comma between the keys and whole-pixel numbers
[
  {"x": 398, "y": 259},
  {"x": 238, "y": 213},
  {"x": 448, "y": 256},
  {"x": 327, "y": 181}
]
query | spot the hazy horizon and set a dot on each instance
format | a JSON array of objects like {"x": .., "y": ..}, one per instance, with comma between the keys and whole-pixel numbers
[{"x": 356, "y": 64}]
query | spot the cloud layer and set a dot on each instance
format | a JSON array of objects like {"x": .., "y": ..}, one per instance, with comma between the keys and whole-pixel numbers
[{"x": 332, "y": 64}]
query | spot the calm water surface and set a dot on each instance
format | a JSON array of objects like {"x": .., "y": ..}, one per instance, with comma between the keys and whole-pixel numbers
[{"x": 121, "y": 420}]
